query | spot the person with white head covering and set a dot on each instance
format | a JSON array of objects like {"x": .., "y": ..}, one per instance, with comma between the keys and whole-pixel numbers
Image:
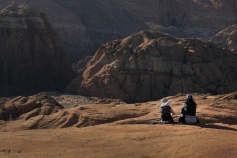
[{"x": 166, "y": 111}]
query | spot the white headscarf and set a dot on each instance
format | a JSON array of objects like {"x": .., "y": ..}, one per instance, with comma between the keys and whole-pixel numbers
[{"x": 165, "y": 102}]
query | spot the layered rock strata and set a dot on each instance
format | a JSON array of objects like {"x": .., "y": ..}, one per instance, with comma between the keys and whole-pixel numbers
[
  {"x": 40, "y": 104},
  {"x": 85, "y": 25},
  {"x": 150, "y": 65},
  {"x": 227, "y": 38},
  {"x": 31, "y": 57},
  {"x": 43, "y": 112}
]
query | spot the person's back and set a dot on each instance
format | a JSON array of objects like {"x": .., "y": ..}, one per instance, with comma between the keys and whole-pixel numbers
[
  {"x": 166, "y": 111},
  {"x": 188, "y": 112},
  {"x": 190, "y": 108}
]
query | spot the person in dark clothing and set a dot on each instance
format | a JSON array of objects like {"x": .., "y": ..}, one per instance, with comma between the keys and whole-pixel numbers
[
  {"x": 188, "y": 112},
  {"x": 166, "y": 111},
  {"x": 190, "y": 106}
]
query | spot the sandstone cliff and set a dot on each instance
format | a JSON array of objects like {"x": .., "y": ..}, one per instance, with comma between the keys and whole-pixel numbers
[
  {"x": 85, "y": 25},
  {"x": 79, "y": 68},
  {"x": 227, "y": 38},
  {"x": 31, "y": 57},
  {"x": 150, "y": 65}
]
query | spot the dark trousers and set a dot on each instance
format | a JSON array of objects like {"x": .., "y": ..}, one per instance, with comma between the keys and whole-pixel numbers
[{"x": 167, "y": 117}]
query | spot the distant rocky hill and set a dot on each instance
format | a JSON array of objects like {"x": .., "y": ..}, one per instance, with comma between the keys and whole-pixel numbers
[
  {"x": 150, "y": 65},
  {"x": 84, "y": 25},
  {"x": 227, "y": 38},
  {"x": 31, "y": 57}
]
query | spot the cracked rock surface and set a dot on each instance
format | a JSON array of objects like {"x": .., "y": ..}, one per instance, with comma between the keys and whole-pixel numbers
[
  {"x": 226, "y": 38},
  {"x": 150, "y": 65}
]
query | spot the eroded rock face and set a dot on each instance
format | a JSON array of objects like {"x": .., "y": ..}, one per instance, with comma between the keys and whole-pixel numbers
[
  {"x": 85, "y": 25},
  {"x": 194, "y": 18},
  {"x": 31, "y": 57},
  {"x": 150, "y": 65},
  {"x": 40, "y": 104},
  {"x": 79, "y": 68},
  {"x": 227, "y": 38}
]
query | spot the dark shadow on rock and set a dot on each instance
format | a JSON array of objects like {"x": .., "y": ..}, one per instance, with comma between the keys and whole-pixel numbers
[
  {"x": 214, "y": 126},
  {"x": 231, "y": 119},
  {"x": 205, "y": 123}
]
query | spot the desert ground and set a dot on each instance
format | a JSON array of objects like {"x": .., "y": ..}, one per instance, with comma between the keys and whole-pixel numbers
[{"x": 127, "y": 132}]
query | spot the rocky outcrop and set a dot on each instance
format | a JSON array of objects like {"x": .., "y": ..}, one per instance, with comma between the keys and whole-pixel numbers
[
  {"x": 79, "y": 68},
  {"x": 40, "y": 104},
  {"x": 31, "y": 57},
  {"x": 85, "y": 25},
  {"x": 150, "y": 65},
  {"x": 196, "y": 19},
  {"x": 43, "y": 112},
  {"x": 227, "y": 38}
]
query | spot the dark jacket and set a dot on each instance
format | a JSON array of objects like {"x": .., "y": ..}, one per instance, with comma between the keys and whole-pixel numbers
[{"x": 189, "y": 109}]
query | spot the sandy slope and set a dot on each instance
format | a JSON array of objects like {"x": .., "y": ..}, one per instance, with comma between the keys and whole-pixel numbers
[
  {"x": 134, "y": 137},
  {"x": 139, "y": 141}
]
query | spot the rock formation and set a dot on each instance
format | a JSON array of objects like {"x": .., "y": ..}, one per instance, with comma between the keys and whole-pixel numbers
[
  {"x": 150, "y": 65},
  {"x": 31, "y": 57},
  {"x": 79, "y": 68},
  {"x": 227, "y": 38},
  {"x": 85, "y": 25},
  {"x": 40, "y": 104},
  {"x": 42, "y": 111}
]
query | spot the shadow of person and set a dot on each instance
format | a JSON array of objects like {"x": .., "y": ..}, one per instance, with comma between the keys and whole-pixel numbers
[
  {"x": 210, "y": 124},
  {"x": 215, "y": 126}
]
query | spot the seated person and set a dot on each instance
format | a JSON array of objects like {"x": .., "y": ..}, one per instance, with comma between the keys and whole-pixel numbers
[
  {"x": 188, "y": 112},
  {"x": 166, "y": 111}
]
